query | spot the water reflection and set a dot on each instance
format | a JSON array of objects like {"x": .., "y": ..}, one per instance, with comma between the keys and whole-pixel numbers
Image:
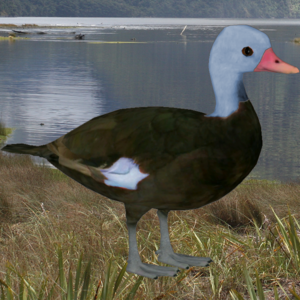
[
  {"x": 63, "y": 83},
  {"x": 46, "y": 83}
]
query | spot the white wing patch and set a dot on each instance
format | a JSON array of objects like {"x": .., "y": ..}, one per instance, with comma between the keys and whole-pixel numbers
[{"x": 123, "y": 173}]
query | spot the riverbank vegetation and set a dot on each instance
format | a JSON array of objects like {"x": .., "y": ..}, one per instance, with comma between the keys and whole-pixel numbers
[
  {"x": 4, "y": 132},
  {"x": 11, "y": 38},
  {"x": 296, "y": 40},
  {"x": 153, "y": 8},
  {"x": 52, "y": 229}
]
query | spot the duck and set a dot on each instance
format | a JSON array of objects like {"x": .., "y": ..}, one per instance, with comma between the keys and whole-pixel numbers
[{"x": 169, "y": 158}]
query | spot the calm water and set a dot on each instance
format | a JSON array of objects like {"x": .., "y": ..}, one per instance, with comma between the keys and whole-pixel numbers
[{"x": 54, "y": 79}]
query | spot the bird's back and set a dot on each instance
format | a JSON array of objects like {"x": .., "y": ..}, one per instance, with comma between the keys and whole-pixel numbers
[{"x": 190, "y": 159}]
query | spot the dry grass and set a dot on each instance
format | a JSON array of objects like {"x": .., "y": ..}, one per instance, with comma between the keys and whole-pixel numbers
[
  {"x": 42, "y": 210},
  {"x": 12, "y": 38},
  {"x": 296, "y": 40},
  {"x": 8, "y": 25},
  {"x": 24, "y": 26},
  {"x": 19, "y": 26}
]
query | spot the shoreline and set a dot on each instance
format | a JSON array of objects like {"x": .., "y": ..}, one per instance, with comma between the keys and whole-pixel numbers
[{"x": 32, "y": 26}]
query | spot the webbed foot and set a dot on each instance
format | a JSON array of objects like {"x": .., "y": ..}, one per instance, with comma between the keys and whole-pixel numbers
[
  {"x": 151, "y": 271},
  {"x": 182, "y": 260}
]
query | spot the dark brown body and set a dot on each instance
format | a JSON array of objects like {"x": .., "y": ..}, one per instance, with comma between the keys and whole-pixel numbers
[
  {"x": 192, "y": 160},
  {"x": 210, "y": 158}
]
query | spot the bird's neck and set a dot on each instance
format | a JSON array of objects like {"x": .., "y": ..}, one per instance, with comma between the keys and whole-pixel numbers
[{"x": 229, "y": 91}]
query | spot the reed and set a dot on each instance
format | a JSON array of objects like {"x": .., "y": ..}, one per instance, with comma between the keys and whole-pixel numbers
[
  {"x": 2, "y": 129},
  {"x": 12, "y": 38},
  {"x": 78, "y": 288},
  {"x": 296, "y": 40},
  {"x": 4, "y": 132}
]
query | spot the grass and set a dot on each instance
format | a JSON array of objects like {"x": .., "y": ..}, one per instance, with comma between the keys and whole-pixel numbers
[
  {"x": 70, "y": 289},
  {"x": 59, "y": 240},
  {"x": 8, "y": 25},
  {"x": 297, "y": 40},
  {"x": 4, "y": 132},
  {"x": 17, "y": 26},
  {"x": 12, "y": 38}
]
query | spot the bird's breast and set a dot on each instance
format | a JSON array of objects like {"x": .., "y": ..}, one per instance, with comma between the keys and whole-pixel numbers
[{"x": 212, "y": 170}]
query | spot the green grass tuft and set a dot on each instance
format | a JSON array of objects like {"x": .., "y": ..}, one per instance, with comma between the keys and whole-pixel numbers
[
  {"x": 68, "y": 289},
  {"x": 4, "y": 132},
  {"x": 296, "y": 40}
]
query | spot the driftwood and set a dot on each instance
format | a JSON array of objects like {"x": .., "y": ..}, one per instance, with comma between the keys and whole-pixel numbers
[
  {"x": 79, "y": 36},
  {"x": 20, "y": 32}
]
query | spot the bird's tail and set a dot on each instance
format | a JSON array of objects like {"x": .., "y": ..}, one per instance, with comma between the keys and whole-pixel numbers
[{"x": 41, "y": 151}]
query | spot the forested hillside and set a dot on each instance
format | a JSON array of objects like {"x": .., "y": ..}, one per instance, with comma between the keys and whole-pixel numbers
[{"x": 153, "y": 8}]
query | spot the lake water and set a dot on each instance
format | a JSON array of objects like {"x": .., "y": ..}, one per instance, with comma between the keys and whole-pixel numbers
[{"x": 54, "y": 79}]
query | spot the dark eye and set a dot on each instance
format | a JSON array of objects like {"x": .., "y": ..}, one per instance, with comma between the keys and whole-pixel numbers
[{"x": 247, "y": 51}]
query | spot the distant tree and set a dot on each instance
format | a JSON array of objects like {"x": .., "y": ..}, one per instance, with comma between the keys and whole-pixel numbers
[{"x": 153, "y": 8}]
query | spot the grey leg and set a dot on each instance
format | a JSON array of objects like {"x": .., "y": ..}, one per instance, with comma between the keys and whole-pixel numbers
[
  {"x": 135, "y": 264},
  {"x": 166, "y": 254}
]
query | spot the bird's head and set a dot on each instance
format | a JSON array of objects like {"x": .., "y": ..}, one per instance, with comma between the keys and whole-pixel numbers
[{"x": 241, "y": 49}]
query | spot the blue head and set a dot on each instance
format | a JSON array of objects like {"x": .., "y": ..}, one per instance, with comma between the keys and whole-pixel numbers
[{"x": 236, "y": 50}]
